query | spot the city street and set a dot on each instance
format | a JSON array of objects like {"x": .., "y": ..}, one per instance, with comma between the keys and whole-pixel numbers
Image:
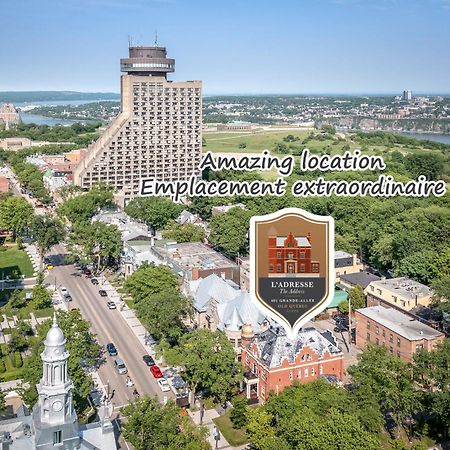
[{"x": 109, "y": 326}]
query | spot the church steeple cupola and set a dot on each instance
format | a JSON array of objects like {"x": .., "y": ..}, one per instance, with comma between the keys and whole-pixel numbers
[{"x": 54, "y": 415}]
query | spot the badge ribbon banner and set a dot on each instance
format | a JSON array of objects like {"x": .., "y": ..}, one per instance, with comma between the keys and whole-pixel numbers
[{"x": 292, "y": 266}]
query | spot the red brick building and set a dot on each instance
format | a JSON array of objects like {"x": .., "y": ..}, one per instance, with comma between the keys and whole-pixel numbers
[
  {"x": 400, "y": 333},
  {"x": 4, "y": 185},
  {"x": 291, "y": 256},
  {"x": 272, "y": 361}
]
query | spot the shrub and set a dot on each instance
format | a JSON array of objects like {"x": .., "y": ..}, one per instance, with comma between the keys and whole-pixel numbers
[
  {"x": 18, "y": 362},
  {"x": 2, "y": 366},
  {"x": 238, "y": 413}
]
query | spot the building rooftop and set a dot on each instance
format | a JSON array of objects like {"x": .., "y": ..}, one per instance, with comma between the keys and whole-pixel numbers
[
  {"x": 193, "y": 254},
  {"x": 403, "y": 286},
  {"x": 130, "y": 229},
  {"x": 340, "y": 254},
  {"x": 361, "y": 278},
  {"x": 274, "y": 346},
  {"x": 400, "y": 323},
  {"x": 302, "y": 241},
  {"x": 239, "y": 311},
  {"x": 211, "y": 288}
]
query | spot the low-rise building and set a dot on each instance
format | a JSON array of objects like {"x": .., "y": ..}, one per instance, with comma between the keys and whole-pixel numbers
[
  {"x": 15, "y": 143},
  {"x": 194, "y": 260},
  {"x": 345, "y": 263},
  {"x": 401, "y": 293},
  {"x": 273, "y": 362},
  {"x": 399, "y": 332},
  {"x": 130, "y": 229},
  {"x": 363, "y": 279},
  {"x": 225, "y": 208}
]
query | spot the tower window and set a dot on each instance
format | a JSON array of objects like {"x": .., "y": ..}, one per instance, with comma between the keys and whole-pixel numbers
[{"x": 57, "y": 437}]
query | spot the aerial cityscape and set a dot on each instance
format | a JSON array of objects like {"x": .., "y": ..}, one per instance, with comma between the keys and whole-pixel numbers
[{"x": 129, "y": 321}]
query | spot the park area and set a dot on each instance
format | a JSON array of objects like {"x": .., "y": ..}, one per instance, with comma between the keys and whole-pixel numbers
[{"x": 14, "y": 263}]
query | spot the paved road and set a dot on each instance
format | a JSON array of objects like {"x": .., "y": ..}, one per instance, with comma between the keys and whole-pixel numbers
[{"x": 109, "y": 326}]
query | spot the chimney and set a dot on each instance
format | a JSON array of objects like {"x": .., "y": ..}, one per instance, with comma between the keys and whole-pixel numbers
[{"x": 195, "y": 273}]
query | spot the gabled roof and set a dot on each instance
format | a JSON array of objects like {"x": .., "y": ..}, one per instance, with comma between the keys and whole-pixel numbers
[{"x": 211, "y": 288}]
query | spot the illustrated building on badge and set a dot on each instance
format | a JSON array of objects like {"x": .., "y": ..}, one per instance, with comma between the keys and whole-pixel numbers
[
  {"x": 157, "y": 134},
  {"x": 290, "y": 256}
]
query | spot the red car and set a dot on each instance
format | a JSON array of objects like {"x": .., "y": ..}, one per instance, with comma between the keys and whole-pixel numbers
[{"x": 156, "y": 371}]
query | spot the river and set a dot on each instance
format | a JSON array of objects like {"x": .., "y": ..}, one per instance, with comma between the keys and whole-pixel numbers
[{"x": 27, "y": 116}]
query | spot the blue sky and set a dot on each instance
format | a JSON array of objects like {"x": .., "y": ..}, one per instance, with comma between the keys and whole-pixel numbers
[{"x": 247, "y": 46}]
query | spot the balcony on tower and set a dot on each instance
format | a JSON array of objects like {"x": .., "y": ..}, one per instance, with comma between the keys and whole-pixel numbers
[{"x": 147, "y": 61}]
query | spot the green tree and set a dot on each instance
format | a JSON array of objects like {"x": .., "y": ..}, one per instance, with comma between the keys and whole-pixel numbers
[
  {"x": 187, "y": 232},
  {"x": 431, "y": 370},
  {"x": 357, "y": 297},
  {"x": 97, "y": 242},
  {"x": 209, "y": 362},
  {"x": 15, "y": 214},
  {"x": 162, "y": 313},
  {"x": 2, "y": 402},
  {"x": 390, "y": 379},
  {"x": 154, "y": 211},
  {"x": 149, "y": 280},
  {"x": 82, "y": 207},
  {"x": 17, "y": 341},
  {"x": 229, "y": 231},
  {"x": 46, "y": 232},
  {"x": 238, "y": 413},
  {"x": 261, "y": 432},
  {"x": 429, "y": 164},
  {"x": 152, "y": 426},
  {"x": 17, "y": 300},
  {"x": 343, "y": 307},
  {"x": 41, "y": 297}
]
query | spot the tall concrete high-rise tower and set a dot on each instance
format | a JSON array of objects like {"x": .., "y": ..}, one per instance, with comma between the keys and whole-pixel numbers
[{"x": 158, "y": 132}]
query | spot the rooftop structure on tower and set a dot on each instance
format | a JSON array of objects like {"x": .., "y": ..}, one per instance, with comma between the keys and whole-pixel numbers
[{"x": 157, "y": 135}]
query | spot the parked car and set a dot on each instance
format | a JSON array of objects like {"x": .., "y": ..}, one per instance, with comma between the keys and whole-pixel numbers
[
  {"x": 87, "y": 272},
  {"x": 94, "y": 281},
  {"x": 156, "y": 371},
  {"x": 163, "y": 384},
  {"x": 148, "y": 360},
  {"x": 170, "y": 372},
  {"x": 111, "y": 348},
  {"x": 103, "y": 293},
  {"x": 340, "y": 328},
  {"x": 68, "y": 298},
  {"x": 178, "y": 382},
  {"x": 111, "y": 305},
  {"x": 120, "y": 366}
]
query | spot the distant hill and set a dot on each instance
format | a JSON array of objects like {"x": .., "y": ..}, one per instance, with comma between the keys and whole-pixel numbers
[{"x": 44, "y": 96}]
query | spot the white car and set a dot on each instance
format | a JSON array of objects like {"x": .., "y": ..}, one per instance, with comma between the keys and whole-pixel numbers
[
  {"x": 64, "y": 291},
  {"x": 163, "y": 384},
  {"x": 111, "y": 305}
]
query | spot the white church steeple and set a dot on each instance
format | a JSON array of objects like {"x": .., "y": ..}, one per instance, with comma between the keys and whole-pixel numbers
[{"x": 54, "y": 416}]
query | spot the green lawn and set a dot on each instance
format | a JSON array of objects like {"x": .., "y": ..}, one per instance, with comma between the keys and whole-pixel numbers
[
  {"x": 257, "y": 141},
  {"x": 14, "y": 263},
  {"x": 234, "y": 437}
]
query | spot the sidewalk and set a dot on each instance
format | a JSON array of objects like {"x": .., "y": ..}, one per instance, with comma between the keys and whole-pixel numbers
[{"x": 208, "y": 417}]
